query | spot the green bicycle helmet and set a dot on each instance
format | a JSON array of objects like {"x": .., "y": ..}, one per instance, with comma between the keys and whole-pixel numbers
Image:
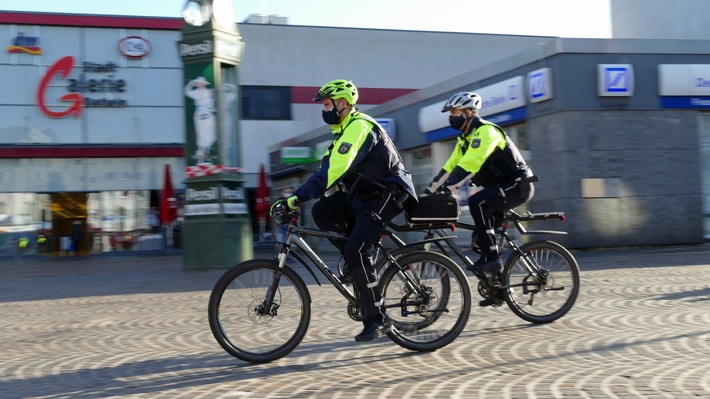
[{"x": 339, "y": 88}]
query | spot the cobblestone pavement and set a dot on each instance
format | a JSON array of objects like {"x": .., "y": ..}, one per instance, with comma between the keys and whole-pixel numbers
[{"x": 137, "y": 328}]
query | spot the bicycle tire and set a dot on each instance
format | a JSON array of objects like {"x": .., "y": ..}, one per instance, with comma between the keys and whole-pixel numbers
[
  {"x": 421, "y": 325},
  {"x": 383, "y": 264},
  {"x": 527, "y": 297},
  {"x": 239, "y": 326}
]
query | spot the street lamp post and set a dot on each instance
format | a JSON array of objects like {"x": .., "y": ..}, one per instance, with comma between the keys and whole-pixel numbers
[{"x": 217, "y": 228}]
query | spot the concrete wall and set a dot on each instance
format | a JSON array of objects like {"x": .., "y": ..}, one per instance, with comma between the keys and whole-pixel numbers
[{"x": 653, "y": 155}]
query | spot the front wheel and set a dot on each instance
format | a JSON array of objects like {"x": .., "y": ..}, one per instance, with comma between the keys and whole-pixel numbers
[
  {"x": 543, "y": 285},
  {"x": 259, "y": 313},
  {"x": 434, "y": 313}
]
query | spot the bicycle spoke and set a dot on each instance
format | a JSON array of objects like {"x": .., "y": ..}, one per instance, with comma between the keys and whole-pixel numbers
[
  {"x": 544, "y": 285},
  {"x": 246, "y": 326},
  {"x": 435, "y": 313}
]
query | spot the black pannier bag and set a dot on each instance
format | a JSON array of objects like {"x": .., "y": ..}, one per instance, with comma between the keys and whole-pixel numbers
[{"x": 432, "y": 209}]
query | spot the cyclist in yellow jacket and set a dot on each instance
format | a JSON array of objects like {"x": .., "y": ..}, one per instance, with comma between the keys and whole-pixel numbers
[
  {"x": 360, "y": 162},
  {"x": 486, "y": 156}
]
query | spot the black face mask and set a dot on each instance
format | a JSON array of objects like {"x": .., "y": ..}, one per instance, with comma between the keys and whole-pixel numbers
[
  {"x": 331, "y": 117},
  {"x": 457, "y": 121}
]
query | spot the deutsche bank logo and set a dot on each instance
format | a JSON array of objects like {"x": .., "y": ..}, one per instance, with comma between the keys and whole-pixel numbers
[
  {"x": 512, "y": 92},
  {"x": 537, "y": 85},
  {"x": 615, "y": 80},
  {"x": 540, "y": 85}
]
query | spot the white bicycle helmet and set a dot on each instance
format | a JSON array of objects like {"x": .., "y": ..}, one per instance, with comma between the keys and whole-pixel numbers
[{"x": 463, "y": 100}]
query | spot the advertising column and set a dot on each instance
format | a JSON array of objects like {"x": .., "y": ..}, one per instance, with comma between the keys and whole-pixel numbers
[{"x": 217, "y": 229}]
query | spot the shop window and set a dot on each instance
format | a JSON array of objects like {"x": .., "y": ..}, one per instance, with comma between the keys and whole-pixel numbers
[{"x": 266, "y": 102}]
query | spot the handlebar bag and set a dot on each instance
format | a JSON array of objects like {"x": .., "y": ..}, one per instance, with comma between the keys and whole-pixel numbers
[{"x": 433, "y": 208}]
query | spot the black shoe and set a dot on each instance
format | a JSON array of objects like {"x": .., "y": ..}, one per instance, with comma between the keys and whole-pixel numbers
[
  {"x": 495, "y": 302},
  {"x": 373, "y": 331},
  {"x": 489, "y": 262}
]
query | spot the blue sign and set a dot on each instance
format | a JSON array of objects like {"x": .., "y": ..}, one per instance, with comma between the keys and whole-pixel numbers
[
  {"x": 502, "y": 118},
  {"x": 540, "y": 85},
  {"x": 537, "y": 85},
  {"x": 685, "y": 102},
  {"x": 615, "y": 80}
]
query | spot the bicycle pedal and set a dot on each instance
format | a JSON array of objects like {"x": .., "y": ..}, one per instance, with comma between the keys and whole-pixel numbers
[{"x": 354, "y": 313}]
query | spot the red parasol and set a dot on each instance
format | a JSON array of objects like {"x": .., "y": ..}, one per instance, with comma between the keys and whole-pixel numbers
[
  {"x": 263, "y": 200},
  {"x": 168, "y": 202}
]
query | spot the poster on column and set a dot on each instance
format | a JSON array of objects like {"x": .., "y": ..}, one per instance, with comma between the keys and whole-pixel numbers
[{"x": 201, "y": 141}]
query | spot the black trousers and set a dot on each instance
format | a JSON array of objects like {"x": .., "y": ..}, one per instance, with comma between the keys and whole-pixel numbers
[
  {"x": 355, "y": 219},
  {"x": 487, "y": 206}
]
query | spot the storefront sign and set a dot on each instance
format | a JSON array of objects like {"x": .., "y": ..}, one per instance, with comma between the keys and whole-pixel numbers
[
  {"x": 684, "y": 79},
  {"x": 294, "y": 155},
  {"x": 81, "y": 90},
  {"x": 540, "y": 85},
  {"x": 389, "y": 126},
  {"x": 615, "y": 80},
  {"x": 499, "y": 97},
  {"x": 684, "y": 85},
  {"x": 134, "y": 47},
  {"x": 321, "y": 149},
  {"x": 25, "y": 44}
]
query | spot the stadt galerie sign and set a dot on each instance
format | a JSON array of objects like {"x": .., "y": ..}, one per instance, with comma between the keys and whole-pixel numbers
[{"x": 94, "y": 80}]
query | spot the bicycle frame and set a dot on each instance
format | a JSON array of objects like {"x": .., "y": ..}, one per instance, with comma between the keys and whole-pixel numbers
[
  {"x": 293, "y": 238},
  {"x": 434, "y": 233}
]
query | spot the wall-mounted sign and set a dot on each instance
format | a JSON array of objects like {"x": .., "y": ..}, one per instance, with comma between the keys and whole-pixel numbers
[
  {"x": 684, "y": 85},
  {"x": 389, "y": 126},
  {"x": 321, "y": 149},
  {"x": 206, "y": 47},
  {"x": 134, "y": 47},
  {"x": 88, "y": 90},
  {"x": 684, "y": 79},
  {"x": 498, "y": 97},
  {"x": 615, "y": 80},
  {"x": 25, "y": 44},
  {"x": 540, "y": 85},
  {"x": 294, "y": 155}
]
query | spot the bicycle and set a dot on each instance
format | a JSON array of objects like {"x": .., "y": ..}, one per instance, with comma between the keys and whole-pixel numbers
[
  {"x": 540, "y": 279},
  {"x": 260, "y": 309}
]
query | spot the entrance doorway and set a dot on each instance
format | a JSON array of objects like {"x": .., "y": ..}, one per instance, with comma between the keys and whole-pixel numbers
[{"x": 69, "y": 213}]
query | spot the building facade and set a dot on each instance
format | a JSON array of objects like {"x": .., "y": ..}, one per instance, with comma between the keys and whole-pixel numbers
[
  {"x": 93, "y": 112},
  {"x": 616, "y": 129}
]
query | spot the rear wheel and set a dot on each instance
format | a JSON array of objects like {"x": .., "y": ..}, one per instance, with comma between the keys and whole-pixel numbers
[
  {"x": 542, "y": 286},
  {"x": 432, "y": 316},
  {"x": 244, "y": 325}
]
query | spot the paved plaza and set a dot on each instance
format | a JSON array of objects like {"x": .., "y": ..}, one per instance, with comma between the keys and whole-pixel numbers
[{"x": 136, "y": 327}]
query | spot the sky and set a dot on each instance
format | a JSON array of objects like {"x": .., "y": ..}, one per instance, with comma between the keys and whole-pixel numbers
[{"x": 563, "y": 18}]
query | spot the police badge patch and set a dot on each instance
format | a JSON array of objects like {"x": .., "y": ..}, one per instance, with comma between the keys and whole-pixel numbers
[
  {"x": 476, "y": 143},
  {"x": 344, "y": 148}
]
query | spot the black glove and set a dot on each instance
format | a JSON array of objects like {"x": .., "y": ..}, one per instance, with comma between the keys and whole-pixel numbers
[{"x": 278, "y": 207}]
